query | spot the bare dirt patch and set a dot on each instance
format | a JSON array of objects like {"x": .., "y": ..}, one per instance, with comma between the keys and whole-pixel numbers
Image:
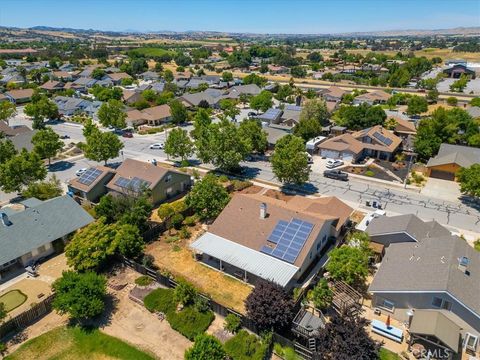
[{"x": 278, "y": 195}]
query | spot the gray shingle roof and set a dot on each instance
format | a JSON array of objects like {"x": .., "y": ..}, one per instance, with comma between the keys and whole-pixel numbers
[
  {"x": 40, "y": 224},
  {"x": 431, "y": 265},
  {"x": 465, "y": 156}
]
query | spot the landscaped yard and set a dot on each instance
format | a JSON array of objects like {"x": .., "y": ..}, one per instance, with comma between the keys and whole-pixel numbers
[
  {"x": 388, "y": 355},
  {"x": 76, "y": 343},
  {"x": 13, "y": 299}
]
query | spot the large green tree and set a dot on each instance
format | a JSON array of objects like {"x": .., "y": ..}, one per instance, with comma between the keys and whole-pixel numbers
[
  {"x": 315, "y": 109},
  {"x": 81, "y": 296},
  {"x": 251, "y": 130},
  {"x": 7, "y": 150},
  {"x": 360, "y": 117},
  {"x": 321, "y": 295},
  {"x": 40, "y": 110},
  {"x": 417, "y": 105},
  {"x": 46, "y": 143},
  {"x": 307, "y": 129},
  {"x": 348, "y": 264},
  {"x": 102, "y": 146},
  {"x": 206, "y": 347},
  {"x": 179, "y": 112},
  {"x": 262, "y": 101},
  {"x": 179, "y": 144},
  {"x": 289, "y": 160},
  {"x": 469, "y": 179},
  {"x": 128, "y": 240},
  {"x": 207, "y": 197},
  {"x": 44, "y": 190},
  {"x": 21, "y": 170},
  {"x": 112, "y": 113},
  {"x": 7, "y": 110}
]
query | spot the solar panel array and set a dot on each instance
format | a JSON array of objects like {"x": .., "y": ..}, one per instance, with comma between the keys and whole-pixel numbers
[
  {"x": 382, "y": 138},
  {"x": 289, "y": 237},
  {"x": 134, "y": 184},
  {"x": 89, "y": 176}
]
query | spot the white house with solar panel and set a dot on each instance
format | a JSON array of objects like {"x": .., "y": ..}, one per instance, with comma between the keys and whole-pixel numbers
[{"x": 258, "y": 236}]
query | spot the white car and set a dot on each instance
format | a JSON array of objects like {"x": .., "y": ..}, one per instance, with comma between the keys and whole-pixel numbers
[
  {"x": 157, "y": 146},
  {"x": 333, "y": 163},
  {"x": 81, "y": 171}
]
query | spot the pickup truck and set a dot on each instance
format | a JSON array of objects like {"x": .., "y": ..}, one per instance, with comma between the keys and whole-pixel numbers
[{"x": 336, "y": 175}]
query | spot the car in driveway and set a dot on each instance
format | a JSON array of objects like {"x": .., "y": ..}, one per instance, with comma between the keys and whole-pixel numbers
[
  {"x": 336, "y": 175},
  {"x": 63, "y": 137},
  {"x": 81, "y": 171},
  {"x": 331, "y": 163},
  {"x": 157, "y": 146},
  {"x": 127, "y": 134}
]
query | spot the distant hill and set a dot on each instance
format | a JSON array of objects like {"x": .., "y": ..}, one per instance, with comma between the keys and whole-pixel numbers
[{"x": 465, "y": 31}]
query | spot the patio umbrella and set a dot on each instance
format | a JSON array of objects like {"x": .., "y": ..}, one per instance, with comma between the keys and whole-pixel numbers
[{"x": 388, "y": 321}]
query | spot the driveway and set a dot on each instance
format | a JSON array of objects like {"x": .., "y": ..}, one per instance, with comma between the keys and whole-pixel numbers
[{"x": 442, "y": 189}]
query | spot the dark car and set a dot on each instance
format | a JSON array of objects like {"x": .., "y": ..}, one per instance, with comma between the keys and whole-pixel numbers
[
  {"x": 65, "y": 137},
  {"x": 336, "y": 175},
  {"x": 252, "y": 114},
  {"x": 127, "y": 134}
]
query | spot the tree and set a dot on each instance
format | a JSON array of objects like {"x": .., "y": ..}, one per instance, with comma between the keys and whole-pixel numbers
[
  {"x": 7, "y": 110},
  {"x": 44, "y": 190},
  {"x": 417, "y": 105},
  {"x": 298, "y": 71},
  {"x": 315, "y": 109},
  {"x": 129, "y": 241},
  {"x": 206, "y": 347},
  {"x": 21, "y": 170},
  {"x": 46, "y": 143},
  {"x": 262, "y": 101},
  {"x": 168, "y": 75},
  {"x": 98, "y": 73},
  {"x": 307, "y": 129},
  {"x": 182, "y": 60},
  {"x": 101, "y": 146},
  {"x": 251, "y": 130},
  {"x": 111, "y": 114},
  {"x": 269, "y": 306},
  {"x": 432, "y": 96},
  {"x": 345, "y": 337},
  {"x": 321, "y": 295},
  {"x": 179, "y": 112},
  {"x": 227, "y": 76},
  {"x": 474, "y": 102},
  {"x": 315, "y": 57},
  {"x": 348, "y": 264},
  {"x": 452, "y": 101},
  {"x": 255, "y": 79},
  {"x": 178, "y": 144},
  {"x": 229, "y": 108},
  {"x": 360, "y": 117},
  {"x": 232, "y": 323},
  {"x": 7, "y": 150},
  {"x": 184, "y": 293},
  {"x": 460, "y": 84},
  {"x": 469, "y": 179},
  {"x": 207, "y": 197},
  {"x": 81, "y": 296},
  {"x": 41, "y": 109},
  {"x": 289, "y": 160}
]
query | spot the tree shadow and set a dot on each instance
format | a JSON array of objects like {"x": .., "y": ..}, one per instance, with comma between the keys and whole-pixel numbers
[
  {"x": 470, "y": 202},
  {"x": 299, "y": 189},
  {"x": 60, "y": 166},
  {"x": 102, "y": 320}
]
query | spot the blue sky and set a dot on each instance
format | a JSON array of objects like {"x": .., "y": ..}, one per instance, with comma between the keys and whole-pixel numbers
[{"x": 262, "y": 16}]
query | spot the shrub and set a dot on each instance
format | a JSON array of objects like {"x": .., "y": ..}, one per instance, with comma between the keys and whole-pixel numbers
[
  {"x": 369, "y": 173},
  {"x": 165, "y": 211},
  {"x": 195, "y": 174},
  {"x": 286, "y": 353},
  {"x": 3, "y": 347},
  {"x": 184, "y": 293},
  {"x": 205, "y": 347},
  {"x": 476, "y": 245},
  {"x": 190, "y": 322},
  {"x": 179, "y": 206},
  {"x": 244, "y": 346},
  {"x": 232, "y": 323},
  {"x": 202, "y": 304},
  {"x": 184, "y": 163},
  {"x": 160, "y": 300},
  {"x": 172, "y": 239},
  {"x": 176, "y": 221},
  {"x": 190, "y": 220},
  {"x": 184, "y": 233},
  {"x": 223, "y": 178},
  {"x": 143, "y": 280},
  {"x": 148, "y": 260},
  {"x": 239, "y": 185},
  {"x": 452, "y": 101}
]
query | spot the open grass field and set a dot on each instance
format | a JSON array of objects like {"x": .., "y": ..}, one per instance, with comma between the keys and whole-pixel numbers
[
  {"x": 152, "y": 52},
  {"x": 74, "y": 343},
  {"x": 13, "y": 299},
  {"x": 388, "y": 355},
  {"x": 429, "y": 53}
]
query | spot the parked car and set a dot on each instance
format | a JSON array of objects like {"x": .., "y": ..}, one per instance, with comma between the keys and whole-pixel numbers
[
  {"x": 336, "y": 175},
  {"x": 252, "y": 114},
  {"x": 127, "y": 134},
  {"x": 157, "y": 146},
  {"x": 81, "y": 171},
  {"x": 65, "y": 137},
  {"x": 334, "y": 163}
]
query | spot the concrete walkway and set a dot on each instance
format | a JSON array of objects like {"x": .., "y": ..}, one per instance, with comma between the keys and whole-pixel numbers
[{"x": 442, "y": 189}]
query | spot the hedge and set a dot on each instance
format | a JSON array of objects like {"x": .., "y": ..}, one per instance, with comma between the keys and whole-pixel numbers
[
  {"x": 244, "y": 346},
  {"x": 160, "y": 300}
]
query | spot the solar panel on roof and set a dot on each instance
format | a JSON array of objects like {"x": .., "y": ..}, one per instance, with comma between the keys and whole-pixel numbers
[
  {"x": 89, "y": 176},
  {"x": 382, "y": 138},
  {"x": 122, "y": 182},
  {"x": 289, "y": 239}
]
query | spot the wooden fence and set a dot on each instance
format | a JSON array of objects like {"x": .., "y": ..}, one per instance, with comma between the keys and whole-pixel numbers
[{"x": 27, "y": 317}]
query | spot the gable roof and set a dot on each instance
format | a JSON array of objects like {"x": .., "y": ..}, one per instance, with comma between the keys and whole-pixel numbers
[
  {"x": 105, "y": 171},
  {"x": 334, "y": 91},
  {"x": 118, "y": 76},
  {"x": 410, "y": 224},
  {"x": 381, "y": 138},
  {"x": 13, "y": 130},
  {"x": 377, "y": 95},
  {"x": 464, "y": 156},
  {"x": 18, "y": 94},
  {"x": 40, "y": 224},
  {"x": 52, "y": 85},
  {"x": 431, "y": 265}
]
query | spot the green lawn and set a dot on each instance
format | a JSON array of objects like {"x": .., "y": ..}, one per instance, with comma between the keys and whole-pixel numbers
[
  {"x": 388, "y": 355},
  {"x": 151, "y": 52},
  {"x": 69, "y": 343},
  {"x": 13, "y": 299}
]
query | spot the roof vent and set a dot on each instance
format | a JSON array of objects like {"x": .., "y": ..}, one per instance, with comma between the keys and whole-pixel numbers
[
  {"x": 5, "y": 220},
  {"x": 263, "y": 211},
  {"x": 463, "y": 263}
]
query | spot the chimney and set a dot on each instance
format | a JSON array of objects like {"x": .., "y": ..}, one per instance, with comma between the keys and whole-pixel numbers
[
  {"x": 263, "y": 211},
  {"x": 463, "y": 264},
  {"x": 5, "y": 220}
]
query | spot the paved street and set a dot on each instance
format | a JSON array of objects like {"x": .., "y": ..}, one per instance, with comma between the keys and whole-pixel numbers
[{"x": 356, "y": 192}]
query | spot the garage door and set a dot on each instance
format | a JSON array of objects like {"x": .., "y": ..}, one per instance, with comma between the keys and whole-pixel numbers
[
  {"x": 347, "y": 156},
  {"x": 445, "y": 175},
  {"x": 330, "y": 154}
]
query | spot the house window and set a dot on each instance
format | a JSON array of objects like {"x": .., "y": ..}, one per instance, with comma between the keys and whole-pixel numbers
[
  {"x": 471, "y": 342},
  {"x": 168, "y": 178},
  {"x": 441, "y": 304},
  {"x": 388, "y": 305}
]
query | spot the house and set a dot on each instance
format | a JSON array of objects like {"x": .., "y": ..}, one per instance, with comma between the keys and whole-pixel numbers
[
  {"x": 91, "y": 185},
  {"x": 375, "y": 142},
  {"x": 69, "y": 106},
  {"x": 271, "y": 116},
  {"x": 274, "y": 69},
  {"x": 450, "y": 159},
  {"x": 261, "y": 237},
  {"x": 211, "y": 96},
  {"x": 131, "y": 96},
  {"x": 436, "y": 279},
  {"x": 158, "y": 87},
  {"x": 291, "y": 115},
  {"x": 84, "y": 83},
  {"x": 275, "y": 132},
  {"x": 61, "y": 75},
  {"x": 403, "y": 128},
  {"x": 133, "y": 176},
  {"x": 52, "y": 86},
  {"x": 333, "y": 93},
  {"x": 458, "y": 70},
  {"x": 10, "y": 131},
  {"x": 117, "y": 78},
  {"x": 19, "y": 96},
  {"x": 34, "y": 229},
  {"x": 153, "y": 116},
  {"x": 388, "y": 230},
  {"x": 250, "y": 89},
  {"x": 23, "y": 140},
  {"x": 149, "y": 76},
  {"x": 372, "y": 98}
]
